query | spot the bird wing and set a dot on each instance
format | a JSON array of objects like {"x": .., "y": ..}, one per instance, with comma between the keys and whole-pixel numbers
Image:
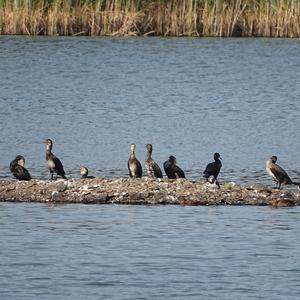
[
  {"x": 179, "y": 172},
  {"x": 207, "y": 168},
  {"x": 280, "y": 174},
  {"x": 157, "y": 171},
  {"x": 13, "y": 165},
  {"x": 139, "y": 169},
  {"x": 26, "y": 174},
  {"x": 21, "y": 173},
  {"x": 210, "y": 169},
  {"x": 129, "y": 167},
  {"x": 58, "y": 166},
  {"x": 168, "y": 170},
  {"x": 135, "y": 168}
]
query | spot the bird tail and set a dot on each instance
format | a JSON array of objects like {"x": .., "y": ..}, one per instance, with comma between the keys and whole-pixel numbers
[
  {"x": 296, "y": 183},
  {"x": 64, "y": 177}
]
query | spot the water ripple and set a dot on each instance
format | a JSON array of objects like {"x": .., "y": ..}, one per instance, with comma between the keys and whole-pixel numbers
[{"x": 152, "y": 252}]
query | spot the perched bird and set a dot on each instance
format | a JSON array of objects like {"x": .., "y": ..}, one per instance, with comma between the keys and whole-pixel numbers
[
  {"x": 84, "y": 173},
  {"x": 277, "y": 173},
  {"x": 152, "y": 167},
  {"x": 54, "y": 164},
  {"x": 18, "y": 170},
  {"x": 172, "y": 170},
  {"x": 214, "y": 167},
  {"x": 134, "y": 166}
]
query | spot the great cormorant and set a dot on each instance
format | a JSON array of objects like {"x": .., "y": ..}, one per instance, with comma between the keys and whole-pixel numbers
[
  {"x": 18, "y": 170},
  {"x": 214, "y": 167},
  {"x": 172, "y": 170},
  {"x": 84, "y": 173},
  {"x": 152, "y": 167},
  {"x": 277, "y": 173},
  {"x": 134, "y": 166},
  {"x": 54, "y": 164}
]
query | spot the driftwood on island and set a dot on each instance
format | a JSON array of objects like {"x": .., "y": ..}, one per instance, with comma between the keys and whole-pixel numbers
[{"x": 144, "y": 192}]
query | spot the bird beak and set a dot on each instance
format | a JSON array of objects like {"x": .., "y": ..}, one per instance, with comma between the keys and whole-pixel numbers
[{"x": 220, "y": 157}]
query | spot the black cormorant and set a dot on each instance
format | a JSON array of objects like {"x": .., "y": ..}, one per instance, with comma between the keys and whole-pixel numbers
[
  {"x": 152, "y": 167},
  {"x": 172, "y": 170},
  {"x": 84, "y": 173},
  {"x": 134, "y": 166},
  {"x": 213, "y": 168},
  {"x": 277, "y": 173},
  {"x": 54, "y": 164},
  {"x": 18, "y": 170}
]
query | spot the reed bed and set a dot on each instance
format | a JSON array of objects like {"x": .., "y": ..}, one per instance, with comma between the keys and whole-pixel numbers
[{"x": 214, "y": 18}]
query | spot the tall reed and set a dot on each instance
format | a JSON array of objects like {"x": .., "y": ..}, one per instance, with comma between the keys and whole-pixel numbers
[{"x": 217, "y": 18}]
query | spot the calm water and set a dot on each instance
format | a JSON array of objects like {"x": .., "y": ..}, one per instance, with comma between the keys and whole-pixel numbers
[
  {"x": 188, "y": 97},
  {"x": 162, "y": 252}
]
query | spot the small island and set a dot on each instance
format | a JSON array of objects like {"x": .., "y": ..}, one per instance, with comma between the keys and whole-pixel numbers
[{"x": 145, "y": 191}]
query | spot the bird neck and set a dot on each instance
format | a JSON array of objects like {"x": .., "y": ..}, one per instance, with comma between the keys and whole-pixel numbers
[
  {"x": 48, "y": 148},
  {"x": 218, "y": 161},
  {"x": 148, "y": 154},
  {"x": 49, "y": 154},
  {"x": 269, "y": 163}
]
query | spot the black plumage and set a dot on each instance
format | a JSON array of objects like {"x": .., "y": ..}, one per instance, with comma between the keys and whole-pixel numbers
[
  {"x": 18, "y": 170},
  {"x": 278, "y": 174},
  {"x": 134, "y": 166},
  {"x": 213, "y": 168},
  {"x": 172, "y": 170},
  {"x": 153, "y": 169},
  {"x": 54, "y": 164}
]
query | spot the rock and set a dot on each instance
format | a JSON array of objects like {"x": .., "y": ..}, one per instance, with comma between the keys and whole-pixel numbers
[
  {"x": 56, "y": 196},
  {"x": 145, "y": 191},
  {"x": 283, "y": 203}
]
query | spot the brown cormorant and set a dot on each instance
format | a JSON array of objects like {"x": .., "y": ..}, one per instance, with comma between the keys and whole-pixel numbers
[
  {"x": 18, "y": 170},
  {"x": 152, "y": 167},
  {"x": 134, "y": 166},
  {"x": 172, "y": 170},
  {"x": 54, "y": 164},
  {"x": 84, "y": 173},
  {"x": 277, "y": 173},
  {"x": 214, "y": 167}
]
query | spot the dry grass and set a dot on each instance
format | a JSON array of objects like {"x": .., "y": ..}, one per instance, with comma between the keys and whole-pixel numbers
[{"x": 218, "y": 18}]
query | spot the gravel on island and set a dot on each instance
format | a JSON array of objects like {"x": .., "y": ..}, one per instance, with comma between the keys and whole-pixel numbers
[{"x": 145, "y": 191}]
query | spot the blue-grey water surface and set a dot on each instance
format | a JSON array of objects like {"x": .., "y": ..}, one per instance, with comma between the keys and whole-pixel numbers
[
  {"x": 188, "y": 97},
  {"x": 157, "y": 252}
]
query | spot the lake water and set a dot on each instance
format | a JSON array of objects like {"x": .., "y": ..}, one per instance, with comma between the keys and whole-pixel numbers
[
  {"x": 155, "y": 252},
  {"x": 188, "y": 97}
]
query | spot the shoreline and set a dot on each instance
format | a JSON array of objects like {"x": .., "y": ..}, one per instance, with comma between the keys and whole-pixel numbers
[{"x": 144, "y": 192}]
